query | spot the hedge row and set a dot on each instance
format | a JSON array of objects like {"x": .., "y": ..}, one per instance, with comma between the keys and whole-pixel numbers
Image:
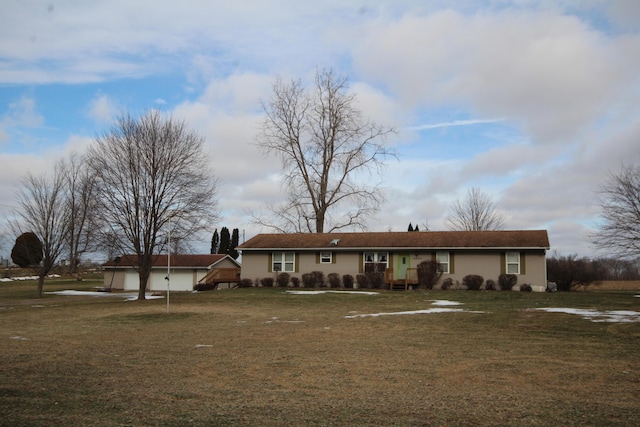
[{"x": 429, "y": 275}]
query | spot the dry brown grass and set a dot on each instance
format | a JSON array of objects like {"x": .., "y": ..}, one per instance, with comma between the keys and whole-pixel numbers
[
  {"x": 621, "y": 285},
  {"x": 262, "y": 357}
]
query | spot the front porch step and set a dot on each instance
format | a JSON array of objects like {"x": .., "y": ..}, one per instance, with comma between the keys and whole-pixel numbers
[{"x": 397, "y": 285}]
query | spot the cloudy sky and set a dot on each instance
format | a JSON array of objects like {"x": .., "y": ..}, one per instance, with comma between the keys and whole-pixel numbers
[{"x": 534, "y": 102}]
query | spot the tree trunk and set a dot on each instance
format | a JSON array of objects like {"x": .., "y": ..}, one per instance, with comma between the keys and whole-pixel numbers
[
  {"x": 144, "y": 278},
  {"x": 40, "y": 284}
]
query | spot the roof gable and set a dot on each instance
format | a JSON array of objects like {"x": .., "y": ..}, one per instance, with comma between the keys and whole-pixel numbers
[{"x": 516, "y": 239}]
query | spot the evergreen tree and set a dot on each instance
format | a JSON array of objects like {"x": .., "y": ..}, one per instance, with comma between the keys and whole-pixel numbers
[
  {"x": 215, "y": 242},
  {"x": 235, "y": 238},
  {"x": 410, "y": 227},
  {"x": 225, "y": 241},
  {"x": 416, "y": 229},
  {"x": 27, "y": 251}
]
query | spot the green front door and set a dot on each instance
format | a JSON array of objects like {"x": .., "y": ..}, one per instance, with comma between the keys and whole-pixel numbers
[{"x": 403, "y": 261}]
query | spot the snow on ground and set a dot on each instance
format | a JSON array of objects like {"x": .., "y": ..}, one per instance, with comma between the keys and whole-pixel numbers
[
  {"x": 622, "y": 316},
  {"x": 11, "y": 279},
  {"x": 330, "y": 292},
  {"x": 444, "y": 302},
  {"x": 129, "y": 296},
  {"x": 425, "y": 311}
]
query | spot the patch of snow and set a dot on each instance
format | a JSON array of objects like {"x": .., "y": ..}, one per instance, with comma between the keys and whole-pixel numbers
[
  {"x": 203, "y": 345},
  {"x": 11, "y": 279},
  {"x": 427, "y": 311},
  {"x": 129, "y": 296},
  {"x": 19, "y": 338},
  {"x": 443, "y": 302},
  {"x": 330, "y": 292},
  {"x": 622, "y": 316}
]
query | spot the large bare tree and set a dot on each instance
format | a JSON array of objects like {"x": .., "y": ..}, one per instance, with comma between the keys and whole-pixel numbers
[
  {"x": 476, "y": 212},
  {"x": 42, "y": 211},
  {"x": 620, "y": 203},
  {"x": 153, "y": 179},
  {"x": 80, "y": 188},
  {"x": 331, "y": 155}
]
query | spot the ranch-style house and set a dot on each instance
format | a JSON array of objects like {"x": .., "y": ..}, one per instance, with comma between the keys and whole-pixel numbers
[{"x": 397, "y": 254}]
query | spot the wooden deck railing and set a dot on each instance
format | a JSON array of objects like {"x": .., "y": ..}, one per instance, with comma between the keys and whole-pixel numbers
[
  {"x": 221, "y": 275},
  {"x": 410, "y": 278}
]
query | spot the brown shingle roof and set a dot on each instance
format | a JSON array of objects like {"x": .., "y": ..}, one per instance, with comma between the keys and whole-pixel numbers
[
  {"x": 177, "y": 261},
  {"x": 520, "y": 239}
]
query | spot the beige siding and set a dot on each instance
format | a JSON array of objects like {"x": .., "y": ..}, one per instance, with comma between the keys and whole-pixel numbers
[
  {"x": 488, "y": 264},
  {"x": 345, "y": 263},
  {"x": 114, "y": 278},
  {"x": 225, "y": 263},
  {"x": 255, "y": 265}
]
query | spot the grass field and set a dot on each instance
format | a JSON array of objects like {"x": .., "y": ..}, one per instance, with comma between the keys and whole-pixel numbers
[{"x": 266, "y": 357}]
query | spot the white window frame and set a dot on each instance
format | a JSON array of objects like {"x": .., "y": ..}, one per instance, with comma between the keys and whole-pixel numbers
[
  {"x": 512, "y": 259},
  {"x": 326, "y": 257},
  {"x": 444, "y": 265},
  {"x": 283, "y": 262},
  {"x": 376, "y": 258}
]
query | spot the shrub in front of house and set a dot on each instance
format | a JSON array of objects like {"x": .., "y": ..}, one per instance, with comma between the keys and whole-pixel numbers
[
  {"x": 429, "y": 272},
  {"x": 245, "y": 283},
  {"x": 490, "y": 285},
  {"x": 347, "y": 281},
  {"x": 204, "y": 287},
  {"x": 447, "y": 284},
  {"x": 295, "y": 282},
  {"x": 318, "y": 279},
  {"x": 376, "y": 280},
  {"x": 363, "y": 281},
  {"x": 473, "y": 282},
  {"x": 525, "y": 287},
  {"x": 283, "y": 279},
  {"x": 334, "y": 280},
  {"x": 267, "y": 282},
  {"x": 306, "y": 280},
  {"x": 507, "y": 281}
]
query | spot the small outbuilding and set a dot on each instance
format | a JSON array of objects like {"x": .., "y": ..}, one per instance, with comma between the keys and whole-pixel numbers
[{"x": 185, "y": 272}]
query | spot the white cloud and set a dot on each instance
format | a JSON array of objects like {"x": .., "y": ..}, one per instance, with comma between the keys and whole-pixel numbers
[
  {"x": 469, "y": 122},
  {"x": 550, "y": 71},
  {"x": 532, "y": 101},
  {"x": 23, "y": 113},
  {"x": 103, "y": 108}
]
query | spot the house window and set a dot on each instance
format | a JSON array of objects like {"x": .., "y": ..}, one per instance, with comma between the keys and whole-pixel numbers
[
  {"x": 376, "y": 262},
  {"x": 513, "y": 262},
  {"x": 376, "y": 257},
  {"x": 283, "y": 261},
  {"x": 326, "y": 257},
  {"x": 443, "y": 261}
]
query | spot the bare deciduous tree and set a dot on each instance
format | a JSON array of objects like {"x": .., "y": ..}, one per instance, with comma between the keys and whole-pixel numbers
[
  {"x": 42, "y": 210},
  {"x": 330, "y": 155},
  {"x": 80, "y": 188},
  {"x": 152, "y": 175},
  {"x": 620, "y": 203},
  {"x": 477, "y": 212}
]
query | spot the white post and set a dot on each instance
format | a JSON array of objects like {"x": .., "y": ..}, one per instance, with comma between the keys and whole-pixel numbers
[{"x": 168, "y": 263}]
